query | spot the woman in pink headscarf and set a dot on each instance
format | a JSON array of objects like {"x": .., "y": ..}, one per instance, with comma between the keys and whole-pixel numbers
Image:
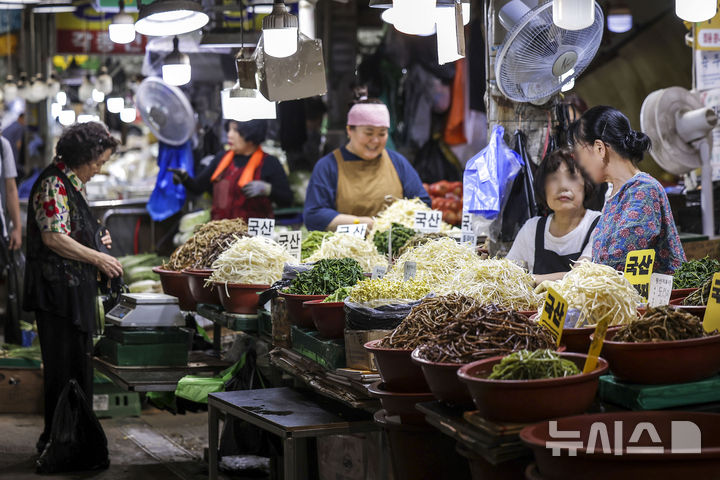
[{"x": 349, "y": 185}]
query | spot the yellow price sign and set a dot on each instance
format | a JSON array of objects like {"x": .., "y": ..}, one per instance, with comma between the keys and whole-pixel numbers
[
  {"x": 711, "y": 321},
  {"x": 553, "y": 313},
  {"x": 638, "y": 270},
  {"x": 596, "y": 345}
]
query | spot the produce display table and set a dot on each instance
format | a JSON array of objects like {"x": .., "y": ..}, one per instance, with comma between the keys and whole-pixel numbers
[
  {"x": 231, "y": 321},
  {"x": 157, "y": 378},
  {"x": 292, "y": 415}
]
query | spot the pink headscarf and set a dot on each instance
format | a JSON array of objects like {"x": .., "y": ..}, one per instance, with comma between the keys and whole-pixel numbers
[{"x": 369, "y": 114}]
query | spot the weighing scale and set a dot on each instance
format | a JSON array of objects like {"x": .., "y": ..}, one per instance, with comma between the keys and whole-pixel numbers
[{"x": 146, "y": 310}]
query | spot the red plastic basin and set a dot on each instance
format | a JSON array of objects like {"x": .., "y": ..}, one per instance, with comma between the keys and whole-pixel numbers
[
  {"x": 524, "y": 401},
  {"x": 196, "y": 284},
  {"x": 396, "y": 369},
  {"x": 669, "y": 463},
  {"x": 240, "y": 298},
  {"x": 328, "y": 318},
  {"x": 681, "y": 292},
  {"x": 443, "y": 381},
  {"x": 677, "y": 361},
  {"x": 401, "y": 404},
  {"x": 176, "y": 284},
  {"x": 578, "y": 339},
  {"x": 300, "y": 316}
]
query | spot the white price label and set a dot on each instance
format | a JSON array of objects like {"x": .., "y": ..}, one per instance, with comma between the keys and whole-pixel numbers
[
  {"x": 660, "y": 289},
  {"x": 467, "y": 223},
  {"x": 409, "y": 270},
  {"x": 292, "y": 241},
  {"x": 428, "y": 222},
  {"x": 101, "y": 403},
  {"x": 469, "y": 239},
  {"x": 378, "y": 271},
  {"x": 356, "y": 229},
  {"x": 261, "y": 227}
]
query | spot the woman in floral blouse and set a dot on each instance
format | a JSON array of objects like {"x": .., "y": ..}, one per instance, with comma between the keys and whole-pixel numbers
[
  {"x": 637, "y": 216},
  {"x": 63, "y": 261}
]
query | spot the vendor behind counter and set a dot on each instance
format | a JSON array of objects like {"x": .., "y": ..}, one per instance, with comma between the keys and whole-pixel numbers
[{"x": 350, "y": 184}]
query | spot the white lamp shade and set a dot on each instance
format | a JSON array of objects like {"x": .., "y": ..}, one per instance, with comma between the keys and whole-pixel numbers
[
  {"x": 87, "y": 118},
  {"x": 61, "y": 98},
  {"x": 128, "y": 114},
  {"x": 115, "y": 104},
  {"x": 388, "y": 16},
  {"x": 280, "y": 42},
  {"x": 250, "y": 106},
  {"x": 11, "y": 92},
  {"x": 97, "y": 96},
  {"x": 573, "y": 14},
  {"x": 176, "y": 74},
  {"x": 104, "y": 84},
  {"x": 695, "y": 10},
  {"x": 55, "y": 109},
  {"x": 619, "y": 22},
  {"x": 414, "y": 17},
  {"x": 172, "y": 22},
  {"x": 85, "y": 91},
  {"x": 446, "y": 36},
  {"x": 121, "y": 32},
  {"x": 38, "y": 91},
  {"x": 66, "y": 117}
]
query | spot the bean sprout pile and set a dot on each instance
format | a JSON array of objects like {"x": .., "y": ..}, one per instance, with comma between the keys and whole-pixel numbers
[
  {"x": 349, "y": 246},
  {"x": 203, "y": 248},
  {"x": 251, "y": 261}
]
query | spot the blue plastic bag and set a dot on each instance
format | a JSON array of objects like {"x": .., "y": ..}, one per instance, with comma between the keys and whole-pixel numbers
[
  {"x": 167, "y": 198},
  {"x": 489, "y": 176}
]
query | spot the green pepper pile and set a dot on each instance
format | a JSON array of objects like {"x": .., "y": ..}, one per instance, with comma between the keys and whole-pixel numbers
[
  {"x": 312, "y": 242},
  {"x": 326, "y": 277},
  {"x": 400, "y": 236},
  {"x": 695, "y": 273},
  {"x": 700, "y": 296},
  {"x": 526, "y": 365}
]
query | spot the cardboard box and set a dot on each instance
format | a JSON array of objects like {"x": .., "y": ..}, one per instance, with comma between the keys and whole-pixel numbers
[
  {"x": 21, "y": 390},
  {"x": 355, "y": 354}
]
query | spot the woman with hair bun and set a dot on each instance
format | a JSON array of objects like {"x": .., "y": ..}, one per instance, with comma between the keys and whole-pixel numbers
[{"x": 637, "y": 216}]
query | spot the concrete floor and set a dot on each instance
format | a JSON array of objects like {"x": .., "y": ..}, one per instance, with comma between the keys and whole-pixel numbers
[{"x": 157, "y": 446}]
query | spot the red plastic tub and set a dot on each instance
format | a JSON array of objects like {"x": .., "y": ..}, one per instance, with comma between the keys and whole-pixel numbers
[
  {"x": 396, "y": 369},
  {"x": 689, "y": 446},
  {"x": 443, "y": 381},
  {"x": 240, "y": 298},
  {"x": 328, "y": 318},
  {"x": 681, "y": 292},
  {"x": 196, "y": 284},
  {"x": 176, "y": 284},
  {"x": 524, "y": 401},
  {"x": 401, "y": 404},
  {"x": 302, "y": 317},
  {"x": 677, "y": 361}
]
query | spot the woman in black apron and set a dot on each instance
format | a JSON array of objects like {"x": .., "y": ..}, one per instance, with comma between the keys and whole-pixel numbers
[
  {"x": 549, "y": 246},
  {"x": 63, "y": 261}
]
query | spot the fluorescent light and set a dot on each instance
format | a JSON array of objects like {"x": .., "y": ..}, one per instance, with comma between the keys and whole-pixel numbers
[
  {"x": 176, "y": 68},
  {"x": 573, "y": 14},
  {"x": 170, "y": 17},
  {"x": 243, "y": 104},
  {"x": 84, "y": 118},
  {"x": 115, "y": 104},
  {"x": 128, "y": 114},
  {"x": 280, "y": 32},
  {"x": 60, "y": 8},
  {"x": 619, "y": 21},
  {"x": 414, "y": 17},
  {"x": 61, "y": 98},
  {"x": 66, "y": 117},
  {"x": 695, "y": 10},
  {"x": 97, "y": 96},
  {"x": 447, "y": 36},
  {"x": 55, "y": 109}
]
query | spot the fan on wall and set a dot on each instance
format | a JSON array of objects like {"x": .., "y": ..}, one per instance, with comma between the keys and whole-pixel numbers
[
  {"x": 537, "y": 58},
  {"x": 678, "y": 125},
  {"x": 165, "y": 110}
]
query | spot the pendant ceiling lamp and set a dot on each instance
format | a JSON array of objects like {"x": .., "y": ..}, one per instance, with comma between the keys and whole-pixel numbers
[
  {"x": 280, "y": 32},
  {"x": 243, "y": 101},
  {"x": 619, "y": 19},
  {"x": 414, "y": 17},
  {"x": 122, "y": 28},
  {"x": 104, "y": 82},
  {"x": 574, "y": 14},
  {"x": 695, "y": 10},
  {"x": 176, "y": 69},
  {"x": 170, "y": 17},
  {"x": 115, "y": 104}
]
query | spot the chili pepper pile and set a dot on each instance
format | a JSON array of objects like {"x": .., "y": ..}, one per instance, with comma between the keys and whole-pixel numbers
[
  {"x": 327, "y": 276},
  {"x": 400, "y": 235},
  {"x": 695, "y": 273},
  {"x": 489, "y": 332},
  {"x": 700, "y": 296},
  {"x": 428, "y": 318},
  {"x": 525, "y": 365},
  {"x": 661, "y": 324}
]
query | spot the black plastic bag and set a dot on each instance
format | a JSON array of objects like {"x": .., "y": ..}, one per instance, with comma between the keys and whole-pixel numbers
[
  {"x": 435, "y": 161},
  {"x": 360, "y": 316},
  {"x": 521, "y": 205},
  {"x": 77, "y": 440}
]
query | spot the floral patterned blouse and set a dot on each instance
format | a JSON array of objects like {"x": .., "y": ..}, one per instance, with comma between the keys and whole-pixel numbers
[
  {"x": 637, "y": 217},
  {"x": 52, "y": 212}
]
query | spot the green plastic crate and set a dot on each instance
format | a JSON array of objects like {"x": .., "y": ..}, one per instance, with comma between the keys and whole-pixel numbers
[
  {"x": 162, "y": 354},
  {"x": 233, "y": 321},
  {"x": 145, "y": 336},
  {"x": 19, "y": 363},
  {"x": 328, "y": 353},
  {"x": 111, "y": 401},
  {"x": 654, "y": 397}
]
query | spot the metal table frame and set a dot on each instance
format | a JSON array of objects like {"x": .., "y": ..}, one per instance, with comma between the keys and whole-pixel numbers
[{"x": 294, "y": 437}]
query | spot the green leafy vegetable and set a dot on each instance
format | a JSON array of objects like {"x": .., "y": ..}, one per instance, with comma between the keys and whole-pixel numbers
[
  {"x": 339, "y": 295},
  {"x": 327, "y": 276},
  {"x": 526, "y": 365},
  {"x": 400, "y": 236},
  {"x": 695, "y": 273},
  {"x": 312, "y": 242}
]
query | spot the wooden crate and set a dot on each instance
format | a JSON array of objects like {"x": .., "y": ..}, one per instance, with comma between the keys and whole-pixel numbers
[{"x": 21, "y": 390}]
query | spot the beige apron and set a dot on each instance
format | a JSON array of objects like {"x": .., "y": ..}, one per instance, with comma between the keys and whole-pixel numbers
[{"x": 363, "y": 184}]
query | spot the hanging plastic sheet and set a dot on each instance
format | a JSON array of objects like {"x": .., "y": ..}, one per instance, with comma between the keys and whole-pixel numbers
[{"x": 167, "y": 198}]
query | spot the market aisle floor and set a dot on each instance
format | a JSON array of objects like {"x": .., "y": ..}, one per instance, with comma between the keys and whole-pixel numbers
[{"x": 157, "y": 446}]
